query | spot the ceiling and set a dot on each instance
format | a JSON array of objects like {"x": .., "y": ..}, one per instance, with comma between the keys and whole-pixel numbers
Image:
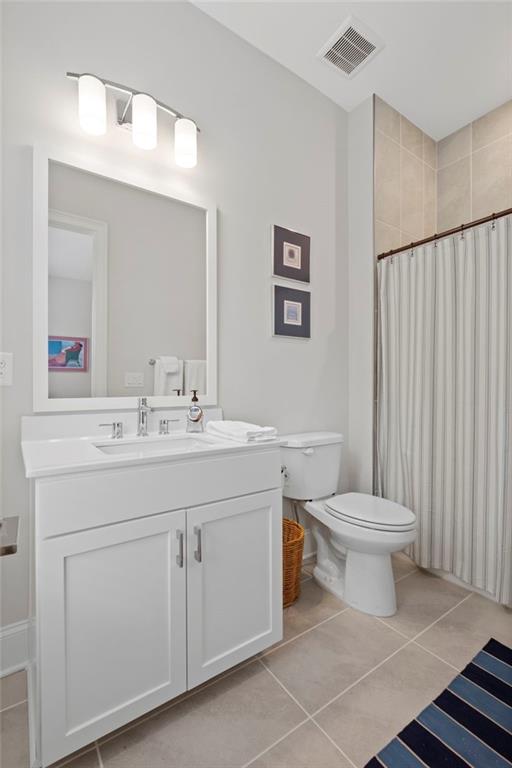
[{"x": 443, "y": 65}]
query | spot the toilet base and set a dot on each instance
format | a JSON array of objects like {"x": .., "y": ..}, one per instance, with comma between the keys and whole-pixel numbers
[
  {"x": 362, "y": 580},
  {"x": 334, "y": 585},
  {"x": 369, "y": 583},
  {"x": 350, "y": 583}
]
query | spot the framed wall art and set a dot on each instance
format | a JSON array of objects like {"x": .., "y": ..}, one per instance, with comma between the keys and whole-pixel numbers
[
  {"x": 68, "y": 353},
  {"x": 290, "y": 254},
  {"x": 291, "y": 312}
]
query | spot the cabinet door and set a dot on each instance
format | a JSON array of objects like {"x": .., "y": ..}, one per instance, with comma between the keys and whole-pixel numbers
[
  {"x": 234, "y": 587},
  {"x": 112, "y": 642}
]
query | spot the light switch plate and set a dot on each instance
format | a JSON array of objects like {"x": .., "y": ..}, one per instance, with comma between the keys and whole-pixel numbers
[
  {"x": 134, "y": 379},
  {"x": 6, "y": 366}
]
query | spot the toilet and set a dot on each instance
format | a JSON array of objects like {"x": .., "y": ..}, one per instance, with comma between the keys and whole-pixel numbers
[{"x": 355, "y": 533}]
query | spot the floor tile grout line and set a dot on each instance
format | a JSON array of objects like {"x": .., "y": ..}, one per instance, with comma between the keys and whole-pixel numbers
[
  {"x": 98, "y": 755},
  {"x": 285, "y": 689},
  {"x": 418, "y": 634},
  {"x": 439, "y": 658},
  {"x": 344, "y": 754},
  {"x": 406, "y": 575},
  {"x": 275, "y": 743},
  {"x": 169, "y": 705},
  {"x": 309, "y": 717},
  {"x": 252, "y": 660},
  {"x": 446, "y": 613},
  {"x": 228, "y": 672},
  {"x": 12, "y": 706},
  {"x": 360, "y": 679},
  {"x": 409, "y": 641},
  {"x": 305, "y": 632},
  {"x": 388, "y": 626}
]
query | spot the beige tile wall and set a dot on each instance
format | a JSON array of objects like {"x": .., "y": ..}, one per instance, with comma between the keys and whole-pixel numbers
[
  {"x": 474, "y": 176},
  {"x": 405, "y": 180}
]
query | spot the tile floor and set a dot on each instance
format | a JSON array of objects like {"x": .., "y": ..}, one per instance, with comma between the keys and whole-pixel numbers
[{"x": 336, "y": 689}]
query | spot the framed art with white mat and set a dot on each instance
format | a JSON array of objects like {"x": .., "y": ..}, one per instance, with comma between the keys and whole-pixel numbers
[
  {"x": 291, "y": 312},
  {"x": 290, "y": 254}
]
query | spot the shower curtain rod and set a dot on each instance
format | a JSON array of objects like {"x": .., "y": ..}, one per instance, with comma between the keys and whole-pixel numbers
[{"x": 446, "y": 233}]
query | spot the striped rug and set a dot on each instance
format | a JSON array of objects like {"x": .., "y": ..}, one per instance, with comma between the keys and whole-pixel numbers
[{"x": 469, "y": 724}]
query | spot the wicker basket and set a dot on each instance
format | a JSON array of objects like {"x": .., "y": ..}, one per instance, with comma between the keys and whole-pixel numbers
[{"x": 293, "y": 546}]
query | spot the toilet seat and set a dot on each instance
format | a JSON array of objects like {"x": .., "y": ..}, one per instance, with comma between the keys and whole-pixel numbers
[{"x": 373, "y": 512}]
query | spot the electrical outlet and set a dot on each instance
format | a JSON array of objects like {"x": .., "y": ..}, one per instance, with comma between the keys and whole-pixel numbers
[
  {"x": 6, "y": 366},
  {"x": 134, "y": 379}
]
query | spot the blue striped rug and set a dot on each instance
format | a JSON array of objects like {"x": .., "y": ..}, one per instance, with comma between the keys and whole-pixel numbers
[{"x": 469, "y": 724}]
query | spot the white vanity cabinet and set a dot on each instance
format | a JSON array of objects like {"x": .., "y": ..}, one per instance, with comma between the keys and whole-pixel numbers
[
  {"x": 112, "y": 631},
  {"x": 148, "y": 584},
  {"x": 233, "y": 553}
]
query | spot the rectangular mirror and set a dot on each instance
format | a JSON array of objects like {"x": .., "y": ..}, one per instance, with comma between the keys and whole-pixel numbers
[{"x": 124, "y": 291}]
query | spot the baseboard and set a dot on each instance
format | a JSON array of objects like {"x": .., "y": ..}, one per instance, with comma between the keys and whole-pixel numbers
[{"x": 14, "y": 647}]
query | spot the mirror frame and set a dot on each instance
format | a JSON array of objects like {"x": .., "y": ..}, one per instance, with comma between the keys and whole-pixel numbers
[{"x": 42, "y": 156}]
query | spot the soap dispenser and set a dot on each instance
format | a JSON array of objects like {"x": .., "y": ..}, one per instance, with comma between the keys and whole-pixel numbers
[{"x": 195, "y": 415}]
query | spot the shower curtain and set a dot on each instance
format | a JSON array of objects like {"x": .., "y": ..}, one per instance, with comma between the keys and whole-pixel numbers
[{"x": 444, "y": 415}]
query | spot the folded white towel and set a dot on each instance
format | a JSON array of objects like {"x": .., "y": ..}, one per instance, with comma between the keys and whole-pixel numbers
[
  {"x": 169, "y": 364},
  {"x": 165, "y": 381},
  {"x": 241, "y": 431}
]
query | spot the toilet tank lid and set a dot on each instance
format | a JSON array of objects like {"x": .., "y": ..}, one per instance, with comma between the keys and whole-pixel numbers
[{"x": 308, "y": 439}]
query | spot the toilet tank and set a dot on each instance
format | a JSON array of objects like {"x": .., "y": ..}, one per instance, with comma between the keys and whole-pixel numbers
[{"x": 313, "y": 463}]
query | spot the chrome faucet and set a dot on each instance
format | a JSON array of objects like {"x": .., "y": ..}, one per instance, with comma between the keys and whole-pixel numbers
[{"x": 142, "y": 417}]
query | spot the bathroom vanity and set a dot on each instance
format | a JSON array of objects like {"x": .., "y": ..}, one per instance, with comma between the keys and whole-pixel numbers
[
  {"x": 156, "y": 559},
  {"x": 157, "y": 566}
]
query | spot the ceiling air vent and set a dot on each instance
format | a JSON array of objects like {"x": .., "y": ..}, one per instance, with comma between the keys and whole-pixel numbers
[{"x": 351, "y": 47}]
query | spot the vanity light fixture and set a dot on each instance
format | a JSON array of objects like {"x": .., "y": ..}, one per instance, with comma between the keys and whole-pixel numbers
[
  {"x": 185, "y": 143},
  {"x": 92, "y": 105},
  {"x": 138, "y": 111},
  {"x": 144, "y": 124}
]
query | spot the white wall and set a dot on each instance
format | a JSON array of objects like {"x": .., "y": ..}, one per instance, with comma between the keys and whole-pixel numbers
[
  {"x": 361, "y": 298},
  {"x": 272, "y": 150}
]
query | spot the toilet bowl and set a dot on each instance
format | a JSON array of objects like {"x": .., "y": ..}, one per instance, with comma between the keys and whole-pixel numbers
[
  {"x": 355, "y": 533},
  {"x": 354, "y": 554}
]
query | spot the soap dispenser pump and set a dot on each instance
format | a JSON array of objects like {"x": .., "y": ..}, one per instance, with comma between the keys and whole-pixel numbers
[{"x": 195, "y": 415}]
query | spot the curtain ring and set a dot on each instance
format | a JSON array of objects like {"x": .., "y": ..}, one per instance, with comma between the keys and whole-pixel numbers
[
  {"x": 462, "y": 231},
  {"x": 493, "y": 225}
]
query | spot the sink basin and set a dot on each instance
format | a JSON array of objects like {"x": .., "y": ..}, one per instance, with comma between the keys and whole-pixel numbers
[{"x": 146, "y": 446}]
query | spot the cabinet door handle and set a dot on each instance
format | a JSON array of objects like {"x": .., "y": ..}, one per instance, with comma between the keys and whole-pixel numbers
[
  {"x": 198, "y": 554},
  {"x": 179, "y": 556}
]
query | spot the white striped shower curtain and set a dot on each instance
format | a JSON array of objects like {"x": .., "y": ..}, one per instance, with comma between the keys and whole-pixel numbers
[{"x": 444, "y": 425}]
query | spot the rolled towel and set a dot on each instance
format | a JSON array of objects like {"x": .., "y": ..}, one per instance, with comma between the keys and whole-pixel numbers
[{"x": 241, "y": 431}]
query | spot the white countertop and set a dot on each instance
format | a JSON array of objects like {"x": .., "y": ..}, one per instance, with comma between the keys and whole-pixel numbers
[{"x": 64, "y": 455}]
